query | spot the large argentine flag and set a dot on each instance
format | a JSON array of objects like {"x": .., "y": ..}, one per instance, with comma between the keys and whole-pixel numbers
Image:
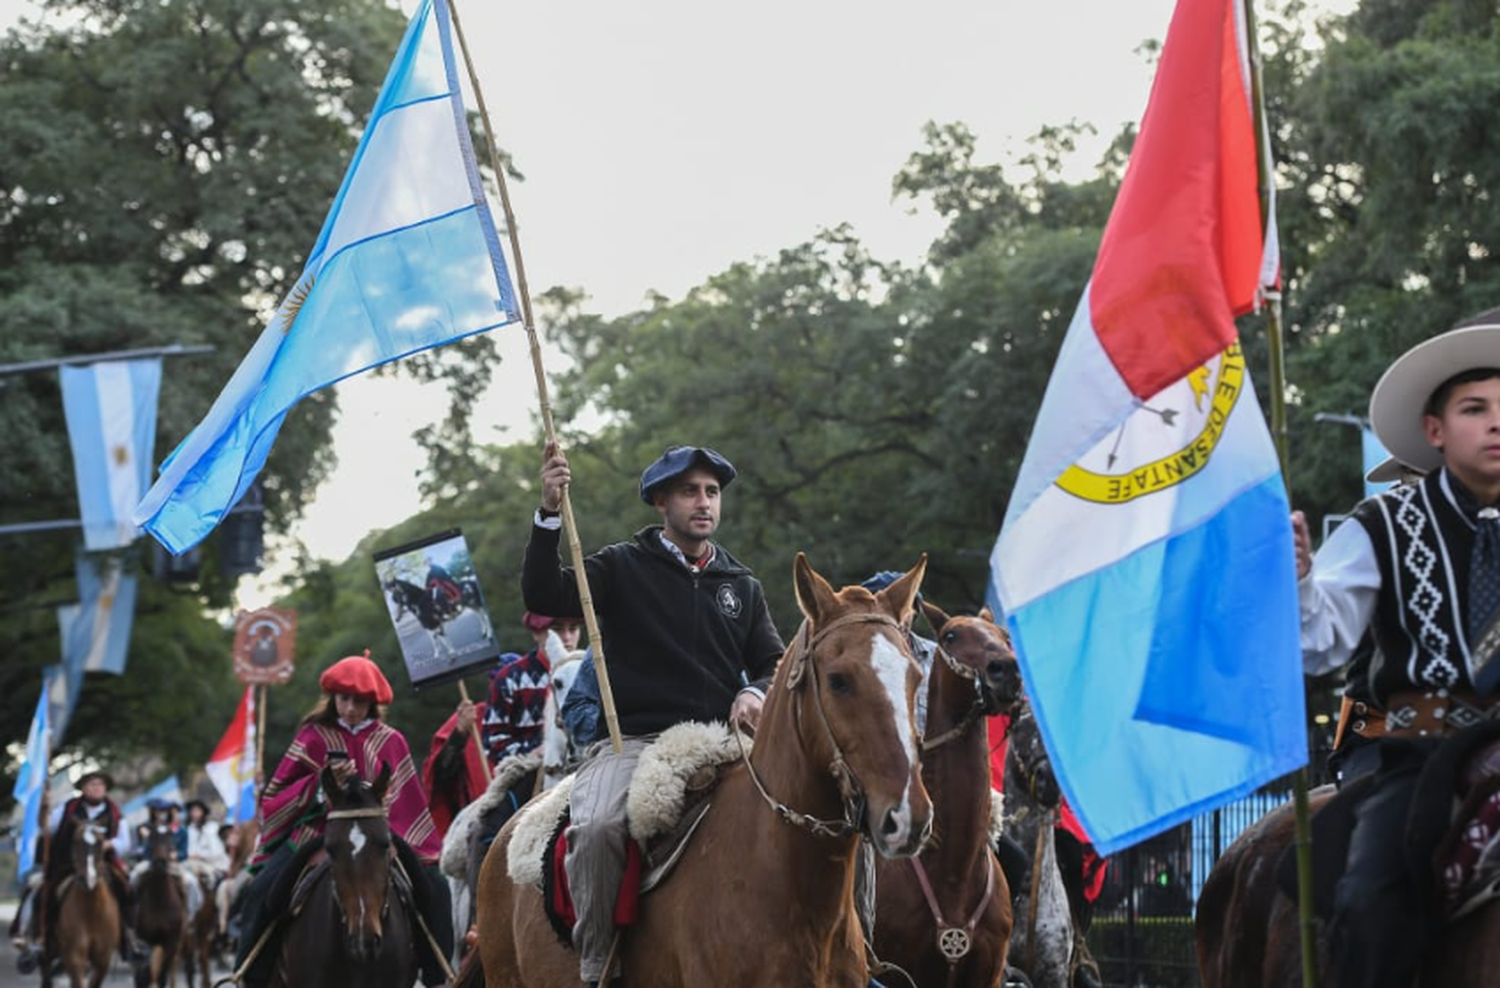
[
  {"x": 111, "y": 414},
  {"x": 231, "y": 767},
  {"x": 408, "y": 259},
  {"x": 1145, "y": 564}
]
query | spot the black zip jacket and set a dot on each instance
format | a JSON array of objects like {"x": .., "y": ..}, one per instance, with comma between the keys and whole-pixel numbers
[{"x": 678, "y": 644}]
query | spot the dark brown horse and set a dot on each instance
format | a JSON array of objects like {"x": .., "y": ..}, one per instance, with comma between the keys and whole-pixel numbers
[
  {"x": 161, "y": 914},
  {"x": 355, "y": 925},
  {"x": 944, "y": 916},
  {"x": 763, "y": 894},
  {"x": 1247, "y": 927},
  {"x": 87, "y": 931}
]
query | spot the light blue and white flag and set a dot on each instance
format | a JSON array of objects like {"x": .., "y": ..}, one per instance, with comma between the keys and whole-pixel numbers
[
  {"x": 111, "y": 413},
  {"x": 168, "y": 789},
  {"x": 408, "y": 259},
  {"x": 96, "y": 631},
  {"x": 1373, "y": 455},
  {"x": 1145, "y": 566},
  {"x": 61, "y": 690},
  {"x": 31, "y": 783}
]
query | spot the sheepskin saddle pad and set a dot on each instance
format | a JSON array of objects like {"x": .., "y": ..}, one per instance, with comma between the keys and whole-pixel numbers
[{"x": 668, "y": 797}]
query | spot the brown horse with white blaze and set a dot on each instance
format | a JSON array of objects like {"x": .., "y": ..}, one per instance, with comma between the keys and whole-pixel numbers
[
  {"x": 88, "y": 916},
  {"x": 763, "y": 895},
  {"x": 944, "y": 916},
  {"x": 355, "y": 927}
]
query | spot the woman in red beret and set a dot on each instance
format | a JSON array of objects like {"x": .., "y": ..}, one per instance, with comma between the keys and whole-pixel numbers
[
  {"x": 346, "y": 724},
  {"x": 344, "y": 732}
]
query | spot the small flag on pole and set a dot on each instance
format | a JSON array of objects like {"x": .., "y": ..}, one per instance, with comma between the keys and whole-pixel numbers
[
  {"x": 408, "y": 259},
  {"x": 1160, "y": 649},
  {"x": 231, "y": 767},
  {"x": 31, "y": 783},
  {"x": 111, "y": 413},
  {"x": 168, "y": 790},
  {"x": 96, "y": 631},
  {"x": 61, "y": 691}
]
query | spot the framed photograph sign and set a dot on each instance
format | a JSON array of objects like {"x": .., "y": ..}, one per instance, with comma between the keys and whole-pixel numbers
[{"x": 432, "y": 594}]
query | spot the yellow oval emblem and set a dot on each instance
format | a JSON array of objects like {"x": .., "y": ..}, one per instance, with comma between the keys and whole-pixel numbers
[{"x": 1147, "y": 453}]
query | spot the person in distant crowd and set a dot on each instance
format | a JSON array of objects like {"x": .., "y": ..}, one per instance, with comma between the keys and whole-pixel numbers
[
  {"x": 690, "y": 638},
  {"x": 236, "y": 875},
  {"x": 206, "y": 856},
  {"x": 163, "y": 812},
  {"x": 514, "y": 723},
  {"x": 347, "y": 734},
  {"x": 92, "y": 803},
  {"x": 1417, "y": 568},
  {"x": 453, "y": 775}
]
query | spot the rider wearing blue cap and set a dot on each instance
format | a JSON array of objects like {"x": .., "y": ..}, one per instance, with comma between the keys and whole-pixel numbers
[{"x": 690, "y": 638}]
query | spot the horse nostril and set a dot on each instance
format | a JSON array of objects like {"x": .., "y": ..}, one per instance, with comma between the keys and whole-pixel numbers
[{"x": 890, "y": 825}]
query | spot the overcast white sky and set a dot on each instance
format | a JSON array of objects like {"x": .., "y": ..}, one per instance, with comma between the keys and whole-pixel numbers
[{"x": 663, "y": 140}]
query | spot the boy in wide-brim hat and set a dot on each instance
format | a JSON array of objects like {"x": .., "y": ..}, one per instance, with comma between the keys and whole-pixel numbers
[{"x": 1418, "y": 567}]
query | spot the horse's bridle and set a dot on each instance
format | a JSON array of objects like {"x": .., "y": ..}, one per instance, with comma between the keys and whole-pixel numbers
[
  {"x": 851, "y": 791},
  {"x": 976, "y": 710}
]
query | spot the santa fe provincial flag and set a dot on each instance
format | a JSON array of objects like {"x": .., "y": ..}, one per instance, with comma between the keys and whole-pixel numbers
[
  {"x": 231, "y": 768},
  {"x": 408, "y": 259},
  {"x": 1145, "y": 565}
]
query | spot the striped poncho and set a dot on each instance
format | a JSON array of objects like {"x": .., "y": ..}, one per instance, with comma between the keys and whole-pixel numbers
[{"x": 291, "y": 808}]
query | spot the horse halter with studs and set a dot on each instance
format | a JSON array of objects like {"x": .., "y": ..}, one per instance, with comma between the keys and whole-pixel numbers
[{"x": 851, "y": 791}]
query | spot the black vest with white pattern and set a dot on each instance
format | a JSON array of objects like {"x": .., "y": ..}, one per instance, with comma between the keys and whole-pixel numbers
[{"x": 1422, "y": 543}]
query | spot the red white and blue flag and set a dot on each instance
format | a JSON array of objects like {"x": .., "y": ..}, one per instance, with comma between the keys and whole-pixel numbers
[
  {"x": 231, "y": 767},
  {"x": 1145, "y": 565}
]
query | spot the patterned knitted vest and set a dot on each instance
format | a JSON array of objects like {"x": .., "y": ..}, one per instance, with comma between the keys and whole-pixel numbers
[{"x": 1422, "y": 543}]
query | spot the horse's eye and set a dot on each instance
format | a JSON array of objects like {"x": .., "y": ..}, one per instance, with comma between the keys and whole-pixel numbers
[
  {"x": 840, "y": 683},
  {"x": 950, "y": 637}
]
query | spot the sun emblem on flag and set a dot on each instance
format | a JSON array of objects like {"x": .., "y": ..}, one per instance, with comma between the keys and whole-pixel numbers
[
  {"x": 293, "y": 303},
  {"x": 1165, "y": 440}
]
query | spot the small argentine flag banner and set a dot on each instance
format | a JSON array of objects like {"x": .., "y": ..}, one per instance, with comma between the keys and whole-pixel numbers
[{"x": 111, "y": 413}]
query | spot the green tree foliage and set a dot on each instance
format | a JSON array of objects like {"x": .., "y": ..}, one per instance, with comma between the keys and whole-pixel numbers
[
  {"x": 1389, "y": 144},
  {"x": 164, "y": 168}
]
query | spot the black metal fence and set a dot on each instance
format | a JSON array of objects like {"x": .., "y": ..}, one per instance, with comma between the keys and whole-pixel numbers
[{"x": 1142, "y": 933}]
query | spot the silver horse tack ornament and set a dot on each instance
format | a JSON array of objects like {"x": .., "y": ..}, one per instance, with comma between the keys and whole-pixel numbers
[{"x": 953, "y": 942}]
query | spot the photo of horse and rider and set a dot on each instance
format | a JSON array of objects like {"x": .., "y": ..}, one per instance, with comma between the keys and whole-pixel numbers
[{"x": 433, "y": 596}]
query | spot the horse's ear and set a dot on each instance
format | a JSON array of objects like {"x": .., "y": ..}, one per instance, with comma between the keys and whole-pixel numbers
[
  {"x": 553, "y": 648},
  {"x": 985, "y": 614},
  {"x": 936, "y": 616},
  {"x": 331, "y": 789},
  {"x": 814, "y": 594},
  {"x": 381, "y": 781},
  {"x": 901, "y": 595}
]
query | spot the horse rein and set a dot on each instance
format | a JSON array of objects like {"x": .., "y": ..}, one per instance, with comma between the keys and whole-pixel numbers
[{"x": 851, "y": 792}]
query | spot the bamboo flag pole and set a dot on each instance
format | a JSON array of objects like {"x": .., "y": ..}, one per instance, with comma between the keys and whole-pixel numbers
[
  {"x": 575, "y": 548},
  {"x": 1279, "y": 436},
  {"x": 484, "y": 762},
  {"x": 260, "y": 744}
]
